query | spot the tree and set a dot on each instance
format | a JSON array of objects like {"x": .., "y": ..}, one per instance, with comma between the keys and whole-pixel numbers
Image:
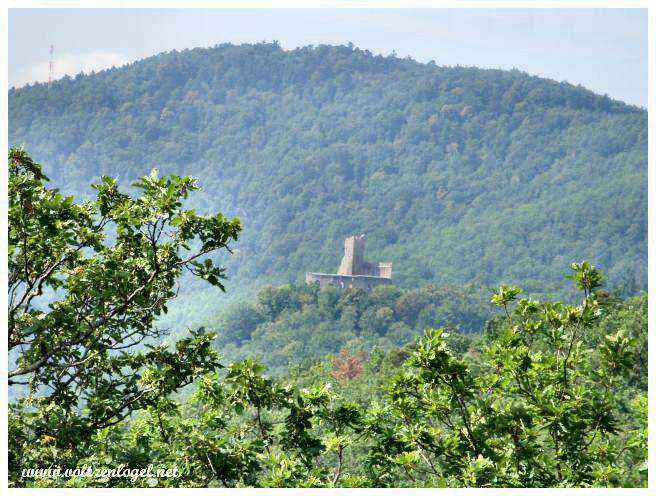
[
  {"x": 347, "y": 367},
  {"x": 543, "y": 408},
  {"x": 87, "y": 281}
]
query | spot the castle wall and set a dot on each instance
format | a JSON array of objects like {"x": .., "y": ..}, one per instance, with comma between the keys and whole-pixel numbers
[
  {"x": 385, "y": 270},
  {"x": 344, "y": 281}
]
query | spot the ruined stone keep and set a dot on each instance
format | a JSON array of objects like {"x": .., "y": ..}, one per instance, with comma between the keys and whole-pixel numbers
[{"x": 354, "y": 271}]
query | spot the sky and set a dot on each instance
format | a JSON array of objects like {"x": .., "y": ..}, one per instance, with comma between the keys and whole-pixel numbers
[{"x": 604, "y": 50}]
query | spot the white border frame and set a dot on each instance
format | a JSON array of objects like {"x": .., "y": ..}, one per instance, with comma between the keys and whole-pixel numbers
[{"x": 464, "y": 4}]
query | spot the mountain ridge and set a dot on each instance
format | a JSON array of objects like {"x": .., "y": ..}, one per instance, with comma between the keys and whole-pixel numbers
[
  {"x": 273, "y": 47},
  {"x": 456, "y": 174}
]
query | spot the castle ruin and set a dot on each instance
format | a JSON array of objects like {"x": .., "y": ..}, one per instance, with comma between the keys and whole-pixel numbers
[{"x": 354, "y": 271}]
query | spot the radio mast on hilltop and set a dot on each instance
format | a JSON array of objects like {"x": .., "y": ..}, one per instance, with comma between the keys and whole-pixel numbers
[{"x": 50, "y": 65}]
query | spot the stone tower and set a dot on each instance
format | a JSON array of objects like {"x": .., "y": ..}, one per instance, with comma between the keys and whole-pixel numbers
[
  {"x": 353, "y": 260},
  {"x": 354, "y": 270}
]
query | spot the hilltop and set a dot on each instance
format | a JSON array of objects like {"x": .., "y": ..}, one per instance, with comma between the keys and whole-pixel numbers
[{"x": 456, "y": 175}]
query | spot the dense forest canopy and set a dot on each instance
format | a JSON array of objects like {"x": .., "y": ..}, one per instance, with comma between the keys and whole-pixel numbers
[
  {"x": 456, "y": 175},
  {"x": 299, "y": 324},
  {"x": 548, "y": 394}
]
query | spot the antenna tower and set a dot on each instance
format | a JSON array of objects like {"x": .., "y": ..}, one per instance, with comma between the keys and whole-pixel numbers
[{"x": 50, "y": 65}]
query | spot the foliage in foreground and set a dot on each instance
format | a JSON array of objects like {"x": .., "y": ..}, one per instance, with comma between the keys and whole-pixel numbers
[
  {"x": 547, "y": 400},
  {"x": 550, "y": 395},
  {"x": 86, "y": 282}
]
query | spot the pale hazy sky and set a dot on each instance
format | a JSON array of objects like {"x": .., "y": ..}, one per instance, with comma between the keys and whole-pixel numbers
[{"x": 605, "y": 50}]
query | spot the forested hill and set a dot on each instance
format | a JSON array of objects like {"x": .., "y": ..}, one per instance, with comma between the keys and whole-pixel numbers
[{"x": 455, "y": 174}]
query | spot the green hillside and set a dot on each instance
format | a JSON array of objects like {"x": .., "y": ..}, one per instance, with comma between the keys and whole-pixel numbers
[
  {"x": 300, "y": 324},
  {"x": 457, "y": 175}
]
